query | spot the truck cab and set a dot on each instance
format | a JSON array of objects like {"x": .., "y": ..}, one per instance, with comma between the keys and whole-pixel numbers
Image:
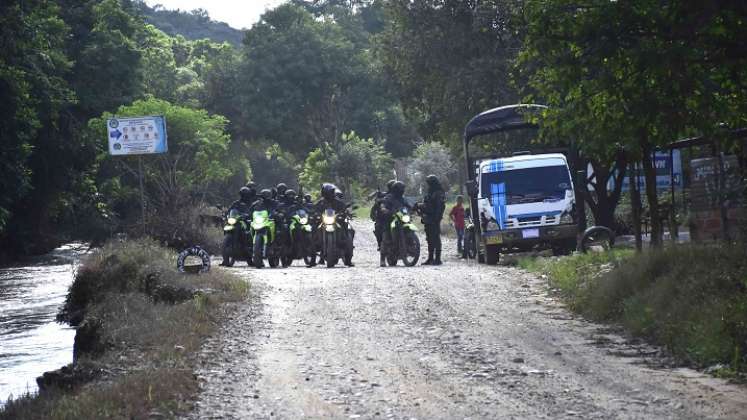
[{"x": 525, "y": 202}]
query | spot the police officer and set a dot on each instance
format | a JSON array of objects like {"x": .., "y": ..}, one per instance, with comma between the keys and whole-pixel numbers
[
  {"x": 330, "y": 200},
  {"x": 247, "y": 197},
  {"x": 376, "y": 214},
  {"x": 393, "y": 201},
  {"x": 432, "y": 209}
]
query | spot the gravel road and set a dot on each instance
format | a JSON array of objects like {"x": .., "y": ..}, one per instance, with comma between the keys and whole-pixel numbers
[{"x": 457, "y": 341}]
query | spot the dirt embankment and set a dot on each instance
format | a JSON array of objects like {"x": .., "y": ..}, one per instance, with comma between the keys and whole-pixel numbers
[{"x": 456, "y": 341}]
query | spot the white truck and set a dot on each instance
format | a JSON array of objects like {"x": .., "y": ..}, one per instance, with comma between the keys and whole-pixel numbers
[{"x": 524, "y": 202}]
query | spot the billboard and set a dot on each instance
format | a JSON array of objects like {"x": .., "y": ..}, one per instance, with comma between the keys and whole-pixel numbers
[{"x": 137, "y": 136}]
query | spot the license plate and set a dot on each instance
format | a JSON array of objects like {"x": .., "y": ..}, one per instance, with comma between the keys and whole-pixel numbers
[
  {"x": 494, "y": 239},
  {"x": 530, "y": 233}
]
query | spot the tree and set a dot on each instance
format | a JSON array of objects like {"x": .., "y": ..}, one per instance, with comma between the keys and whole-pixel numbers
[
  {"x": 33, "y": 90},
  {"x": 450, "y": 60},
  {"x": 432, "y": 159},
  {"x": 198, "y": 161},
  {"x": 635, "y": 75},
  {"x": 353, "y": 163}
]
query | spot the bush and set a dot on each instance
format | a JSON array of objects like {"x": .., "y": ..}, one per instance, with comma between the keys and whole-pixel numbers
[{"x": 691, "y": 299}]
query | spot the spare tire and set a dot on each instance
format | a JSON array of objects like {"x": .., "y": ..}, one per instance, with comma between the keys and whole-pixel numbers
[
  {"x": 597, "y": 236},
  {"x": 194, "y": 251}
]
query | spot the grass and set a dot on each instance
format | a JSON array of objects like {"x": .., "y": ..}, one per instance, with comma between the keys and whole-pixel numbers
[
  {"x": 145, "y": 348},
  {"x": 691, "y": 299}
]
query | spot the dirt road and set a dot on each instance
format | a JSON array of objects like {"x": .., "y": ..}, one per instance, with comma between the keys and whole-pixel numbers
[{"x": 452, "y": 342}]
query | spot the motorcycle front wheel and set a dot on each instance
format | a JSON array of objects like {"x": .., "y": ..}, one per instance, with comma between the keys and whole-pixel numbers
[
  {"x": 259, "y": 244},
  {"x": 227, "y": 251},
  {"x": 411, "y": 252},
  {"x": 330, "y": 250}
]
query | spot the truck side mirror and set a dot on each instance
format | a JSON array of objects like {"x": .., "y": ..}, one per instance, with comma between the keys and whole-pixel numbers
[{"x": 471, "y": 188}]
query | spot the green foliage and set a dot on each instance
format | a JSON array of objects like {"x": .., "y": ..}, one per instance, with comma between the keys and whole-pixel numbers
[
  {"x": 653, "y": 295},
  {"x": 450, "y": 60},
  {"x": 433, "y": 159},
  {"x": 353, "y": 162},
  {"x": 199, "y": 159}
]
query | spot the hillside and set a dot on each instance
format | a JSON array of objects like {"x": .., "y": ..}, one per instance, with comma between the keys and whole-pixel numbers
[{"x": 195, "y": 24}]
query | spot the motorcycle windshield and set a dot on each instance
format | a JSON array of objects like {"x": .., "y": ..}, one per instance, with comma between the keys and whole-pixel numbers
[
  {"x": 234, "y": 213},
  {"x": 260, "y": 216}
]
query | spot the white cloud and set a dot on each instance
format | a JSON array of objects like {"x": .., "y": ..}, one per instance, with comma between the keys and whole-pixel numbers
[{"x": 237, "y": 13}]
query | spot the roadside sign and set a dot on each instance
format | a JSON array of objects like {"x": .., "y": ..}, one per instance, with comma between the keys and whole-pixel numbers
[
  {"x": 137, "y": 136},
  {"x": 667, "y": 167}
]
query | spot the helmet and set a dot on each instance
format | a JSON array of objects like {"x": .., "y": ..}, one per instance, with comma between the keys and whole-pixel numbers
[
  {"x": 389, "y": 185},
  {"x": 246, "y": 194},
  {"x": 338, "y": 194},
  {"x": 398, "y": 188},
  {"x": 290, "y": 194},
  {"x": 328, "y": 191},
  {"x": 266, "y": 194},
  {"x": 282, "y": 188},
  {"x": 251, "y": 185},
  {"x": 431, "y": 179}
]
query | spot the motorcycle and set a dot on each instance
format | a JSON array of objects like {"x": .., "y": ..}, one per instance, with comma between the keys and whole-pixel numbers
[
  {"x": 336, "y": 238},
  {"x": 236, "y": 238},
  {"x": 402, "y": 242},
  {"x": 263, "y": 239},
  {"x": 300, "y": 234}
]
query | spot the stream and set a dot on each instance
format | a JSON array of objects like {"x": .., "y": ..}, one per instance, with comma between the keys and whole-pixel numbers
[{"x": 31, "y": 342}]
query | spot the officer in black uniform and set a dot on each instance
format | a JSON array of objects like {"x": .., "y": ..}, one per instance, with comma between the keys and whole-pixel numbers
[
  {"x": 432, "y": 209},
  {"x": 376, "y": 212}
]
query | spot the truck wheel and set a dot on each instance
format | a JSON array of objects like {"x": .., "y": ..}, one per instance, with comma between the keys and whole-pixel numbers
[{"x": 492, "y": 254}]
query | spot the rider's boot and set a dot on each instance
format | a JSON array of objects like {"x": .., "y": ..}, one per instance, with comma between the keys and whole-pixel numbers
[
  {"x": 382, "y": 260},
  {"x": 437, "y": 261},
  {"x": 429, "y": 261}
]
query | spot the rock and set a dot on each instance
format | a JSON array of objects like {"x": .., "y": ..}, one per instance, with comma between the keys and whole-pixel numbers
[{"x": 518, "y": 360}]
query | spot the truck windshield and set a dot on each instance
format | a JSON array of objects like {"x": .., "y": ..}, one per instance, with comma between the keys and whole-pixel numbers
[{"x": 526, "y": 185}]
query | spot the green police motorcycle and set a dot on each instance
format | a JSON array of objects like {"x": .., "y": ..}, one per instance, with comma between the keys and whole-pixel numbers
[
  {"x": 236, "y": 238},
  {"x": 300, "y": 235},
  {"x": 402, "y": 242},
  {"x": 263, "y": 238}
]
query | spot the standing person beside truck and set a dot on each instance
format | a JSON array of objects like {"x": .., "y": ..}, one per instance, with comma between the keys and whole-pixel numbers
[
  {"x": 432, "y": 209},
  {"x": 457, "y": 219}
]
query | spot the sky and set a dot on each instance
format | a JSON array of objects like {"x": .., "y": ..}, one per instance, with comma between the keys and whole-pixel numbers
[{"x": 237, "y": 13}]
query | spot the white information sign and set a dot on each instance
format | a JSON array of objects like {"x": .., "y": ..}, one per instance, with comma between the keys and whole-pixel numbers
[{"x": 137, "y": 136}]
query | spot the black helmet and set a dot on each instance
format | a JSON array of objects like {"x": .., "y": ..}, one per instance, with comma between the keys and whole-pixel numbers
[
  {"x": 398, "y": 188},
  {"x": 338, "y": 194},
  {"x": 246, "y": 195},
  {"x": 282, "y": 188},
  {"x": 431, "y": 179},
  {"x": 291, "y": 194},
  {"x": 328, "y": 191},
  {"x": 266, "y": 194},
  {"x": 389, "y": 185},
  {"x": 251, "y": 185}
]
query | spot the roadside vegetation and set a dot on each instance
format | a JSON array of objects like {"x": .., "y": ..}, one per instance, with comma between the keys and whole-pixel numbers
[
  {"x": 691, "y": 299},
  {"x": 140, "y": 327}
]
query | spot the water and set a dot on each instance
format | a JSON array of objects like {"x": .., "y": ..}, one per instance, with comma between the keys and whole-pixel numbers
[{"x": 31, "y": 342}]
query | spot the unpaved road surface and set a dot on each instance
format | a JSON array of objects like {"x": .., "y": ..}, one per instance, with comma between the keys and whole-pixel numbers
[{"x": 452, "y": 342}]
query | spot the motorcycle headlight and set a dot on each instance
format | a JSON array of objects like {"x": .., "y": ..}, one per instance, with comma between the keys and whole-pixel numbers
[
  {"x": 303, "y": 220},
  {"x": 232, "y": 220},
  {"x": 566, "y": 218},
  {"x": 328, "y": 220},
  {"x": 406, "y": 218}
]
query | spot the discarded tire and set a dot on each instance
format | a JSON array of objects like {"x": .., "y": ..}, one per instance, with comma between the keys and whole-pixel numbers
[
  {"x": 195, "y": 251},
  {"x": 597, "y": 236}
]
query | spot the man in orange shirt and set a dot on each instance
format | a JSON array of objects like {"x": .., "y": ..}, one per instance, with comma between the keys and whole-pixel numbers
[{"x": 457, "y": 219}]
